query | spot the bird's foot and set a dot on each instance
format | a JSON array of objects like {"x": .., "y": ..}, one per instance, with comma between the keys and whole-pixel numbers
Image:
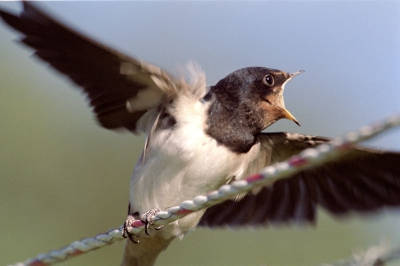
[
  {"x": 146, "y": 219},
  {"x": 128, "y": 227}
]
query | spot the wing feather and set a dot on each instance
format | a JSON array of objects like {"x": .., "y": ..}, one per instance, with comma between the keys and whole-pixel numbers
[
  {"x": 110, "y": 79},
  {"x": 363, "y": 180}
]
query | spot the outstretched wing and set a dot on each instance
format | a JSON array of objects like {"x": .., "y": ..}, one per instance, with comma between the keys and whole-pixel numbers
[
  {"x": 362, "y": 180},
  {"x": 113, "y": 81}
]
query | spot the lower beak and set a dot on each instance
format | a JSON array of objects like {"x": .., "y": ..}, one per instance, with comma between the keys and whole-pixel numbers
[{"x": 289, "y": 116}]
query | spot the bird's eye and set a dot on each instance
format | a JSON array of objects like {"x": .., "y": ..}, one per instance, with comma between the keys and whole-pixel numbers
[{"x": 269, "y": 80}]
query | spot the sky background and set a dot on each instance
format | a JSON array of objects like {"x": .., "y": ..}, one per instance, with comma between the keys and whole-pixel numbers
[{"x": 63, "y": 178}]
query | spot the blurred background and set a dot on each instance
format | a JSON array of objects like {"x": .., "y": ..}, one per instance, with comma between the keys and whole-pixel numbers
[{"x": 64, "y": 178}]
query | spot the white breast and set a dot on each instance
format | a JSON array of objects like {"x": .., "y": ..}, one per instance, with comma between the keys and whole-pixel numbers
[{"x": 182, "y": 163}]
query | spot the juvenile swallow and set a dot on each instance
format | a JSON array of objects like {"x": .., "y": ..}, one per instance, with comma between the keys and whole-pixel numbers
[{"x": 199, "y": 138}]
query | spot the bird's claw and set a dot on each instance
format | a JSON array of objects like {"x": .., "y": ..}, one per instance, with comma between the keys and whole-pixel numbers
[
  {"x": 128, "y": 227},
  {"x": 145, "y": 218}
]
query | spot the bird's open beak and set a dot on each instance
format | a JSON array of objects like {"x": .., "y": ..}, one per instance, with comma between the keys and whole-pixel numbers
[{"x": 287, "y": 114}]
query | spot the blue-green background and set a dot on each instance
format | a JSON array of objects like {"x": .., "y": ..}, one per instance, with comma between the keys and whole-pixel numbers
[{"x": 63, "y": 178}]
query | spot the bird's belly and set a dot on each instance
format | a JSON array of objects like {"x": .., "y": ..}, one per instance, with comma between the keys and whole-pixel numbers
[
  {"x": 167, "y": 180},
  {"x": 178, "y": 169}
]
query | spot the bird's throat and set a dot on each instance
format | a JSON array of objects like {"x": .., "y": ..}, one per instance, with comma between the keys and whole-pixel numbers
[{"x": 233, "y": 132}]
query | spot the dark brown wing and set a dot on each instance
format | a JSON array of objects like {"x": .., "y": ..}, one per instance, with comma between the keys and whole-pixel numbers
[
  {"x": 363, "y": 180},
  {"x": 109, "y": 78}
]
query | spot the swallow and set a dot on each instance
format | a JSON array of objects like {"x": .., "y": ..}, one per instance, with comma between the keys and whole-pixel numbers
[{"x": 199, "y": 138}]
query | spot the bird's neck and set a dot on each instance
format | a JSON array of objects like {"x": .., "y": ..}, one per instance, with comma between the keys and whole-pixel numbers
[{"x": 230, "y": 127}]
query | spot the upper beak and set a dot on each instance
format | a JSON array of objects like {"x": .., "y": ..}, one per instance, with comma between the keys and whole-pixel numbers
[{"x": 292, "y": 75}]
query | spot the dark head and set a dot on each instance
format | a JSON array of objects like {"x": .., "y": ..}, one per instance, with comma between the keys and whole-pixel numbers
[{"x": 247, "y": 101}]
